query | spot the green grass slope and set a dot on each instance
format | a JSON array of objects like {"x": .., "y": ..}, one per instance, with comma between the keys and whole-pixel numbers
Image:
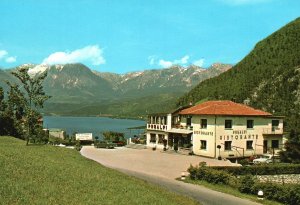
[
  {"x": 268, "y": 76},
  {"x": 54, "y": 175}
]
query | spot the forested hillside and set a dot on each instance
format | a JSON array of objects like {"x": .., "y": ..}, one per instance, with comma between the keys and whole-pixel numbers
[{"x": 268, "y": 77}]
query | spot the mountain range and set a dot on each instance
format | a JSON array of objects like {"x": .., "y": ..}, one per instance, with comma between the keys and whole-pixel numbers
[
  {"x": 268, "y": 78},
  {"x": 78, "y": 90}
]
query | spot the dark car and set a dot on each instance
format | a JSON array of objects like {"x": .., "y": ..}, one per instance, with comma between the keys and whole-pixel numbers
[{"x": 105, "y": 144}]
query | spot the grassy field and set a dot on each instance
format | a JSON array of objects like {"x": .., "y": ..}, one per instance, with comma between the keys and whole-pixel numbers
[{"x": 45, "y": 174}]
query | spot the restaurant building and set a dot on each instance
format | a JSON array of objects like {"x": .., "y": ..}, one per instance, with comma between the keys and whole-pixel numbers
[{"x": 218, "y": 129}]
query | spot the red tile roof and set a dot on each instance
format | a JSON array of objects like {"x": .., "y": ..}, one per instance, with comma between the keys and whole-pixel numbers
[{"x": 223, "y": 108}]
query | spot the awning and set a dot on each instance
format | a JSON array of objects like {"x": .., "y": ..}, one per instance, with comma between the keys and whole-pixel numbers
[{"x": 180, "y": 131}]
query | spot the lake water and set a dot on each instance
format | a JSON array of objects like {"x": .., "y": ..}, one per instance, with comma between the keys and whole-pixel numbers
[{"x": 95, "y": 125}]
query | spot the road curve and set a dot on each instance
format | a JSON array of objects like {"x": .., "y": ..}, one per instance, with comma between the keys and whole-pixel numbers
[{"x": 121, "y": 160}]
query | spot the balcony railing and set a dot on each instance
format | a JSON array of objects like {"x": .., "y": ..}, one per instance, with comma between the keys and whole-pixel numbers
[
  {"x": 273, "y": 130},
  {"x": 178, "y": 126}
]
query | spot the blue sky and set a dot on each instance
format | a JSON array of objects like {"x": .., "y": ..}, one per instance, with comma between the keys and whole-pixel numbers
[{"x": 133, "y": 35}]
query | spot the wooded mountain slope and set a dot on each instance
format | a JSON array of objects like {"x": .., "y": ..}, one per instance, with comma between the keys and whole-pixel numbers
[{"x": 268, "y": 77}]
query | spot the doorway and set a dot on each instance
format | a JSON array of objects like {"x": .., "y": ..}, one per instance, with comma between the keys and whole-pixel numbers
[{"x": 265, "y": 146}]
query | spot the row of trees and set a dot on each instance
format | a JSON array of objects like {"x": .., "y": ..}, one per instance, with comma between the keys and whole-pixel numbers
[{"x": 19, "y": 110}]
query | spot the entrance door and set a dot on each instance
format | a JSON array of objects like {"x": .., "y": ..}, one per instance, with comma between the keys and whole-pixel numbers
[
  {"x": 265, "y": 146},
  {"x": 176, "y": 142}
]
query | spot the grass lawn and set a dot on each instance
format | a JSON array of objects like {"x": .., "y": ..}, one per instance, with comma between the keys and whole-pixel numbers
[
  {"x": 43, "y": 174},
  {"x": 230, "y": 190}
]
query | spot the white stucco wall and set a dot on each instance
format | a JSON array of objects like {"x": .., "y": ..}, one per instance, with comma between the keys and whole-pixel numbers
[
  {"x": 216, "y": 134},
  {"x": 155, "y": 144}
]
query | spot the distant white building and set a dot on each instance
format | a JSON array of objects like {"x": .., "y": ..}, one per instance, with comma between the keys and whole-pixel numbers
[
  {"x": 59, "y": 133},
  {"x": 217, "y": 128},
  {"x": 84, "y": 136}
]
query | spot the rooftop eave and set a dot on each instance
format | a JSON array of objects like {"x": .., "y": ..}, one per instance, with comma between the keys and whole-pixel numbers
[
  {"x": 278, "y": 117},
  {"x": 269, "y": 116}
]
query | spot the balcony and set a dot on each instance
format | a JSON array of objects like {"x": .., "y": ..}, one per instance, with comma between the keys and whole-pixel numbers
[
  {"x": 272, "y": 131},
  {"x": 179, "y": 126},
  {"x": 157, "y": 127}
]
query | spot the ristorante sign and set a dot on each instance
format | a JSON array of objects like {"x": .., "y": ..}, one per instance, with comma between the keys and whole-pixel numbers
[
  {"x": 200, "y": 132},
  {"x": 239, "y": 135},
  {"x": 236, "y": 135}
]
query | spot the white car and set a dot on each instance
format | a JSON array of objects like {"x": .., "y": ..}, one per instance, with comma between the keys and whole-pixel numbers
[{"x": 267, "y": 158}]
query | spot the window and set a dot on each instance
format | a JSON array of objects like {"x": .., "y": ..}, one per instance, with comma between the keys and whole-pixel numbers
[
  {"x": 275, "y": 144},
  {"x": 228, "y": 124},
  {"x": 250, "y": 124},
  {"x": 161, "y": 139},
  {"x": 249, "y": 144},
  {"x": 153, "y": 138},
  {"x": 203, "y": 123},
  {"x": 165, "y": 121},
  {"x": 275, "y": 124},
  {"x": 227, "y": 145},
  {"x": 188, "y": 121},
  {"x": 203, "y": 144}
]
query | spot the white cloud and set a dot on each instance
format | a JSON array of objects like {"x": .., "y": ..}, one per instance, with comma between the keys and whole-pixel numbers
[
  {"x": 165, "y": 64},
  {"x": 3, "y": 53},
  {"x": 92, "y": 54},
  {"x": 152, "y": 60},
  {"x": 11, "y": 59},
  {"x": 244, "y": 2},
  {"x": 199, "y": 62},
  {"x": 183, "y": 60},
  {"x": 8, "y": 59}
]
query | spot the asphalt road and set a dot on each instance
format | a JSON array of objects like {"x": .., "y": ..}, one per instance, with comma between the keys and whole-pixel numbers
[
  {"x": 203, "y": 195},
  {"x": 138, "y": 163}
]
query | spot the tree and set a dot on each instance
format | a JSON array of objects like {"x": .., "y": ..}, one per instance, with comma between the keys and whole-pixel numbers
[
  {"x": 10, "y": 113},
  {"x": 292, "y": 146},
  {"x": 114, "y": 136},
  {"x": 25, "y": 101}
]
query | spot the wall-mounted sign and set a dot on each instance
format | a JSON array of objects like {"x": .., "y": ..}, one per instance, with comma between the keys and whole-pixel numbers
[
  {"x": 239, "y": 137},
  {"x": 84, "y": 136},
  {"x": 239, "y": 132},
  {"x": 199, "y": 132}
]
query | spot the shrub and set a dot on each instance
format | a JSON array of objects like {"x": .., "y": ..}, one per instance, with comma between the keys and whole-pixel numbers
[
  {"x": 55, "y": 140},
  {"x": 202, "y": 172},
  {"x": 78, "y": 145},
  {"x": 287, "y": 194},
  {"x": 246, "y": 183},
  {"x": 244, "y": 162},
  {"x": 193, "y": 172}
]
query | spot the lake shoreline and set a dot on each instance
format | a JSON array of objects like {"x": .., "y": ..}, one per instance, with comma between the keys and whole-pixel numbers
[
  {"x": 95, "y": 125},
  {"x": 108, "y": 116}
]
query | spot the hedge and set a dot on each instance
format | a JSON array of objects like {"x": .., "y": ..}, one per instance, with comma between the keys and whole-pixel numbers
[
  {"x": 211, "y": 175},
  {"x": 262, "y": 169},
  {"x": 287, "y": 193}
]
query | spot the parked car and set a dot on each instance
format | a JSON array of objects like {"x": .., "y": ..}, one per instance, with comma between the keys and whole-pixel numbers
[
  {"x": 119, "y": 143},
  {"x": 105, "y": 144},
  {"x": 266, "y": 158}
]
